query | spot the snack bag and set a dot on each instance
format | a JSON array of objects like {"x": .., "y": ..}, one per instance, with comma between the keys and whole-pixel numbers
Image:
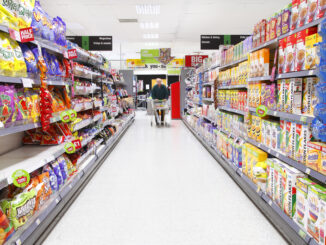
[
  {"x": 6, "y": 228},
  {"x": 52, "y": 177},
  {"x": 38, "y": 15},
  {"x": 7, "y": 106},
  {"x": 302, "y": 210},
  {"x": 71, "y": 168},
  {"x": 7, "y": 60},
  {"x": 30, "y": 60},
  {"x": 63, "y": 168},
  {"x": 20, "y": 208},
  {"x": 45, "y": 179},
  {"x": 57, "y": 171}
]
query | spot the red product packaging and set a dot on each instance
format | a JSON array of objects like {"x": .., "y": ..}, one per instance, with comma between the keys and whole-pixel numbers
[
  {"x": 321, "y": 8},
  {"x": 312, "y": 10},
  {"x": 263, "y": 31},
  {"x": 295, "y": 14},
  {"x": 290, "y": 53},
  {"x": 268, "y": 28},
  {"x": 281, "y": 55},
  {"x": 301, "y": 47},
  {"x": 303, "y": 12},
  {"x": 279, "y": 24}
]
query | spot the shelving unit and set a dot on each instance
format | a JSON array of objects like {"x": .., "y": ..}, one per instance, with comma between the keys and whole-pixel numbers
[
  {"x": 244, "y": 86},
  {"x": 235, "y": 63},
  {"x": 224, "y": 108},
  {"x": 306, "y": 73},
  {"x": 258, "y": 79}
]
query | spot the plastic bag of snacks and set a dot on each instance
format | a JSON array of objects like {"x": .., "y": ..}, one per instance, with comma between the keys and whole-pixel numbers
[
  {"x": 30, "y": 60},
  {"x": 16, "y": 14},
  {"x": 6, "y": 228},
  {"x": 20, "y": 68}
]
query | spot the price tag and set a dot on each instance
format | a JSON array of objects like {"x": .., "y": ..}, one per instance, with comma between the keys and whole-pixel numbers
[
  {"x": 18, "y": 242},
  {"x": 275, "y": 113},
  {"x": 72, "y": 54},
  {"x": 77, "y": 144},
  {"x": 270, "y": 202},
  {"x": 259, "y": 145},
  {"x": 70, "y": 186},
  {"x": 27, "y": 82},
  {"x": 308, "y": 170},
  {"x": 280, "y": 76},
  {"x": 65, "y": 116},
  {"x": 277, "y": 155},
  {"x": 261, "y": 110},
  {"x": 311, "y": 72},
  {"x": 26, "y": 35},
  {"x": 269, "y": 151},
  {"x": 258, "y": 189},
  {"x": 57, "y": 201},
  {"x": 14, "y": 34},
  {"x": 303, "y": 119},
  {"x": 37, "y": 221},
  {"x": 302, "y": 234},
  {"x": 72, "y": 115}
]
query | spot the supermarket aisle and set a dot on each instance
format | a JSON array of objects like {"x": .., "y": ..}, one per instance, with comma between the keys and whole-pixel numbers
[{"x": 161, "y": 187}]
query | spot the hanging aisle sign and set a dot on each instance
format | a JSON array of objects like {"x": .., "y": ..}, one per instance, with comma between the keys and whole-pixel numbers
[
  {"x": 212, "y": 42},
  {"x": 93, "y": 43}
]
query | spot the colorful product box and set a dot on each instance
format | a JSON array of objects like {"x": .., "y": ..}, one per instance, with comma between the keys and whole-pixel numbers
[
  {"x": 294, "y": 98},
  {"x": 310, "y": 99},
  {"x": 302, "y": 207},
  {"x": 295, "y": 14},
  {"x": 278, "y": 194},
  {"x": 314, "y": 155},
  {"x": 316, "y": 194},
  {"x": 286, "y": 18},
  {"x": 290, "y": 53},
  {"x": 311, "y": 55},
  {"x": 270, "y": 185},
  {"x": 280, "y": 95},
  {"x": 289, "y": 179},
  {"x": 303, "y": 12},
  {"x": 272, "y": 31},
  {"x": 290, "y": 139},
  {"x": 282, "y": 135},
  {"x": 303, "y": 135},
  {"x": 279, "y": 24},
  {"x": 312, "y": 10},
  {"x": 281, "y": 55}
]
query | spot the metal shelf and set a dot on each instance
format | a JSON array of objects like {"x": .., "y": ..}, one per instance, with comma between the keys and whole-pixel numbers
[
  {"x": 258, "y": 79},
  {"x": 307, "y": 73},
  {"x": 291, "y": 162},
  {"x": 208, "y": 84},
  {"x": 40, "y": 221},
  {"x": 270, "y": 44},
  {"x": 235, "y": 63},
  {"x": 225, "y": 108},
  {"x": 285, "y": 225},
  {"x": 234, "y": 86},
  {"x": 208, "y": 100},
  {"x": 289, "y": 116}
]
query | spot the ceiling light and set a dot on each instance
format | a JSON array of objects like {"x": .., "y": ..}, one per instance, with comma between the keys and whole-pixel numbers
[
  {"x": 151, "y": 44},
  {"x": 148, "y": 9},
  {"x": 151, "y": 36},
  {"x": 149, "y": 25}
]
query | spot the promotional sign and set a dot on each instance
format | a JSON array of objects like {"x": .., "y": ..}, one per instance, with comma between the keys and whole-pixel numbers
[
  {"x": 176, "y": 63},
  {"x": 77, "y": 144},
  {"x": 135, "y": 63},
  {"x": 64, "y": 116},
  {"x": 194, "y": 60},
  {"x": 70, "y": 148},
  {"x": 165, "y": 56},
  {"x": 261, "y": 111},
  {"x": 20, "y": 178},
  {"x": 93, "y": 43},
  {"x": 72, "y": 115},
  {"x": 72, "y": 54},
  {"x": 26, "y": 35},
  {"x": 211, "y": 42},
  {"x": 148, "y": 56},
  {"x": 174, "y": 71}
]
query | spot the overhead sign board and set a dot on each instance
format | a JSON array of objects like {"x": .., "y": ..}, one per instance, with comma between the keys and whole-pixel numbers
[
  {"x": 93, "y": 43},
  {"x": 194, "y": 60},
  {"x": 213, "y": 42}
]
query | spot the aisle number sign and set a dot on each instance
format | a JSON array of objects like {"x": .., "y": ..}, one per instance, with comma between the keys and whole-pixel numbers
[{"x": 20, "y": 178}]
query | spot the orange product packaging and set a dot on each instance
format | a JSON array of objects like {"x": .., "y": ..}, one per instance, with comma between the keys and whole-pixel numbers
[
  {"x": 295, "y": 14},
  {"x": 281, "y": 55},
  {"x": 303, "y": 12},
  {"x": 264, "y": 61},
  {"x": 290, "y": 53}
]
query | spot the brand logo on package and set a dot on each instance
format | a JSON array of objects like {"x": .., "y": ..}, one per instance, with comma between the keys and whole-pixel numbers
[
  {"x": 194, "y": 60},
  {"x": 26, "y": 35},
  {"x": 20, "y": 178},
  {"x": 72, "y": 54}
]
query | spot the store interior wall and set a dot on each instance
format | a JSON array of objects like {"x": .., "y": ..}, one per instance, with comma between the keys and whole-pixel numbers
[
  {"x": 173, "y": 79},
  {"x": 128, "y": 76}
]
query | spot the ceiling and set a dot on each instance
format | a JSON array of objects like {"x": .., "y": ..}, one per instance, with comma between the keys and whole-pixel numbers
[{"x": 181, "y": 21}]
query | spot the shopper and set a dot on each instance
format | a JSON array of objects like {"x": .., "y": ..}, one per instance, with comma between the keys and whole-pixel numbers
[{"x": 160, "y": 92}]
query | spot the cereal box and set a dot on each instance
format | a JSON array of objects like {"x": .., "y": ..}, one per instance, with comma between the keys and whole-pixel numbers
[
  {"x": 268, "y": 28},
  {"x": 263, "y": 97},
  {"x": 302, "y": 209},
  {"x": 312, "y": 10},
  {"x": 290, "y": 139},
  {"x": 300, "y": 50},
  {"x": 322, "y": 162},
  {"x": 280, "y": 95},
  {"x": 310, "y": 99},
  {"x": 278, "y": 194},
  {"x": 264, "y": 62},
  {"x": 311, "y": 52},
  {"x": 321, "y": 8},
  {"x": 289, "y": 179},
  {"x": 282, "y": 136},
  {"x": 279, "y": 24},
  {"x": 287, "y": 95},
  {"x": 322, "y": 226},
  {"x": 295, "y": 14},
  {"x": 314, "y": 155},
  {"x": 303, "y": 135},
  {"x": 286, "y": 17},
  {"x": 281, "y": 55},
  {"x": 271, "y": 96},
  {"x": 275, "y": 139},
  {"x": 270, "y": 186},
  {"x": 268, "y": 133},
  {"x": 290, "y": 53},
  {"x": 258, "y": 129},
  {"x": 294, "y": 98},
  {"x": 316, "y": 194},
  {"x": 303, "y": 12},
  {"x": 273, "y": 24}
]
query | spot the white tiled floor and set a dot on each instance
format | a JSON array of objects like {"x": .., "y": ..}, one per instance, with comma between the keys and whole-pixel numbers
[{"x": 161, "y": 187}]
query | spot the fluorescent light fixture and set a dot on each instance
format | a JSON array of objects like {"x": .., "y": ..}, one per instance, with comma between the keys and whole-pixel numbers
[
  {"x": 151, "y": 36},
  {"x": 148, "y": 9},
  {"x": 149, "y": 25}
]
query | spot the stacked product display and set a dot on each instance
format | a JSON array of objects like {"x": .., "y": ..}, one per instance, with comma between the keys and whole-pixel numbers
[
  {"x": 67, "y": 113},
  {"x": 267, "y": 124}
]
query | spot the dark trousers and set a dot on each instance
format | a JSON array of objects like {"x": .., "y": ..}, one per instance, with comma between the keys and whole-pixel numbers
[{"x": 162, "y": 116}]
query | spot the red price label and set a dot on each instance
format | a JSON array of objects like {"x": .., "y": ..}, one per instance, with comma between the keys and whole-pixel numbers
[
  {"x": 77, "y": 144},
  {"x": 72, "y": 54},
  {"x": 26, "y": 35}
]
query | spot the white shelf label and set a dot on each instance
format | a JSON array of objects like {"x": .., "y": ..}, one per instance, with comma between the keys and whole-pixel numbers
[
  {"x": 70, "y": 186},
  {"x": 308, "y": 171},
  {"x": 277, "y": 155},
  {"x": 311, "y": 72},
  {"x": 27, "y": 82},
  {"x": 57, "y": 201},
  {"x": 280, "y": 76},
  {"x": 38, "y": 221},
  {"x": 18, "y": 242},
  {"x": 269, "y": 151},
  {"x": 270, "y": 202},
  {"x": 275, "y": 113}
]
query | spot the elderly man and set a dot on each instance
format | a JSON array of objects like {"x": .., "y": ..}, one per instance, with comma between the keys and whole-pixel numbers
[{"x": 160, "y": 92}]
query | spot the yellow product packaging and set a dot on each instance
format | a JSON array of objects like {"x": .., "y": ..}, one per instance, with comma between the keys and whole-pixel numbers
[
  {"x": 253, "y": 126},
  {"x": 310, "y": 99},
  {"x": 258, "y": 129},
  {"x": 302, "y": 137},
  {"x": 7, "y": 60},
  {"x": 314, "y": 155},
  {"x": 294, "y": 99},
  {"x": 244, "y": 158},
  {"x": 20, "y": 69},
  {"x": 257, "y": 156},
  {"x": 311, "y": 52},
  {"x": 16, "y": 14},
  {"x": 322, "y": 162},
  {"x": 270, "y": 185}
]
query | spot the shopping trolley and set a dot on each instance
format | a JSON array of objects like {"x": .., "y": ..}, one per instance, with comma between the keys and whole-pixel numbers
[{"x": 160, "y": 106}]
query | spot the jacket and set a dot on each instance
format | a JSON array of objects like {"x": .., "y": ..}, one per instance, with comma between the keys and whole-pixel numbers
[{"x": 160, "y": 93}]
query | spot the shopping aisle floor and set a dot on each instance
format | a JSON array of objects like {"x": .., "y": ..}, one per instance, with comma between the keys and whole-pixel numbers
[{"x": 159, "y": 186}]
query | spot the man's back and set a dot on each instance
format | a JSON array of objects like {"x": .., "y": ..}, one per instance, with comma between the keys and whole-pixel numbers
[{"x": 160, "y": 92}]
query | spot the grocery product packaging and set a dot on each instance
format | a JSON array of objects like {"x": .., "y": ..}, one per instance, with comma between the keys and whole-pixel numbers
[
  {"x": 302, "y": 207},
  {"x": 314, "y": 155},
  {"x": 290, "y": 139},
  {"x": 280, "y": 95},
  {"x": 303, "y": 136},
  {"x": 273, "y": 24},
  {"x": 321, "y": 8},
  {"x": 295, "y": 14},
  {"x": 282, "y": 136},
  {"x": 293, "y": 96},
  {"x": 312, "y": 10},
  {"x": 279, "y": 24},
  {"x": 311, "y": 52},
  {"x": 301, "y": 47},
  {"x": 278, "y": 194},
  {"x": 310, "y": 99},
  {"x": 289, "y": 179},
  {"x": 286, "y": 18},
  {"x": 316, "y": 195},
  {"x": 275, "y": 136},
  {"x": 263, "y": 68},
  {"x": 281, "y": 55},
  {"x": 270, "y": 185},
  {"x": 303, "y": 12},
  {"x": 290, "y": 53}
]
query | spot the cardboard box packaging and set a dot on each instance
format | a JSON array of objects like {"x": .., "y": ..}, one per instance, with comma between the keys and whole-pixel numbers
[
  {"x": 295, "y": 14},
  {"x": 303, "y": 12},
  {"x": 310, "y": 99},
  {"x": 290, "y": 53},
  {"x": 303, "y": 136}
]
